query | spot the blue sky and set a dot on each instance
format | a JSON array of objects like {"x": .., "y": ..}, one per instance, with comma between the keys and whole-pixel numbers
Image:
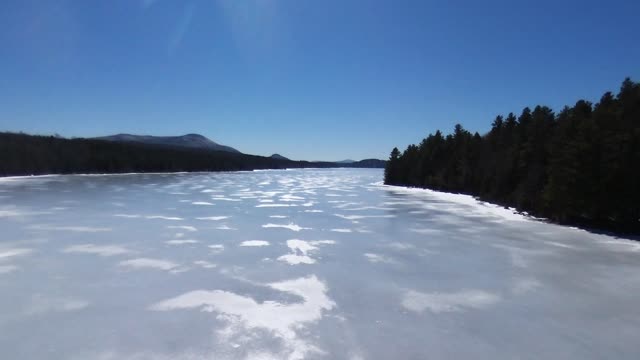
[{"x": 328, "y": 80}]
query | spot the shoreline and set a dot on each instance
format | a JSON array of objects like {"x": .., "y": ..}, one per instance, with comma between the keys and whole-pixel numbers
[
  {"x": 464, "y": 199},
  {"x": 39, "y": 176}
]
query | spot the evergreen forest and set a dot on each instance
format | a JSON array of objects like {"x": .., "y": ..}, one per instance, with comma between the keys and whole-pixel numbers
[{"x": 579, "y": 166}]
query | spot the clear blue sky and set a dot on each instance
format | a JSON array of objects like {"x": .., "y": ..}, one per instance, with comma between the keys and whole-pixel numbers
[{"x": 309, "y": 79}]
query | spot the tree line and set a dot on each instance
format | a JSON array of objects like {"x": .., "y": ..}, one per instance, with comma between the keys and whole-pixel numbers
[
  {"x": 22, "y": 154},
  {"x": 579, "y": 166}
]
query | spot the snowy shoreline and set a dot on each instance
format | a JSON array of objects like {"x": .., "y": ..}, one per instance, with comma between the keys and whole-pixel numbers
[
  {"x": 506, "y": 213},
  {"x": 22, "y": 177},
  {"x": 468, "y": 200}
]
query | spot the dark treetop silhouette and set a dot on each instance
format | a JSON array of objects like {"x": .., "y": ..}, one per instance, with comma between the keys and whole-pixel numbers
[
  {"x": 580, "y": 166},
  {"x": 22, "y": 154}
]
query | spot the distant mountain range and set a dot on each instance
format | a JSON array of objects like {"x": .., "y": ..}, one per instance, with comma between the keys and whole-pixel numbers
[
  {"x": 194, "y": 141},
  {"x": 365, "y": 163},
  {"x": 23, "y": 154},
  {"x": 197, "y": 141}
]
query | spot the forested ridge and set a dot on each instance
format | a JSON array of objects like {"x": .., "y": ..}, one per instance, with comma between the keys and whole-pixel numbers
[
  {"x": 22, "y": 154},
  {"x": 579, "y": 166}
]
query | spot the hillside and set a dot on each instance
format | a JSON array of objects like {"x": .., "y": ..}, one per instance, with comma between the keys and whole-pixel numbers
[
  {"x": 22, "y": 154},
  {"x": 195, "y": 141}
]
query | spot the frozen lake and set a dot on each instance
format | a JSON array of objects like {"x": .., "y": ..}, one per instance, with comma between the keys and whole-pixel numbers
[{"x": 300, "y": 264}]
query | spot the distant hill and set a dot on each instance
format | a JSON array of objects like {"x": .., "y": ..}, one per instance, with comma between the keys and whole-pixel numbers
[
  {"x": 194, "y": 141},
  {"x": 279, "y": 157},
  {"x": 347, "y": 161},
  {"x": 22, "y": 154},
  {"x": 366, "y": 163}
]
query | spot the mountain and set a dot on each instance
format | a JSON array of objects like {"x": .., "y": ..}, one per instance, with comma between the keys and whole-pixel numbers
[
  {"x": 347, "y": 161},
  {"x": 366, "y": 163},
  {"x": 22, "y": 154},
  {"x": 194, "y": 141},
  {"x": 279, "y": 157}
]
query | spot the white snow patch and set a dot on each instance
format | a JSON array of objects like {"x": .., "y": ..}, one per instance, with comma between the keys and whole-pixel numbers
[
  {"x": 558, "y": 244},
  {"x": 322, "y": 242},
  {"x": 377, "y": 258},
  {"x": 400, "y": 246},
  {"x": 216, "y": 247},
  {"x": 448, "y": 302},
  {"x": 162, "y": 217},
  {"x": 274, "y": 205},
  {"x": 361, "y": 208},
  {"x": 284, "y": 320},
  {"x": 225, "y": 227},
  {"x": 426, "y": 231},
  {"x": 128, "y": 216},
  {"x": 205, "y": 264},
  {"x": 102, "y": 250},
  {"x": 213, "y": 218},
  {"x": 12, "y": 211},
  {"x": 624, "y": 245},
  {"x": 289, "y": 197},
  {"x": 224, "y": 199},
  {"x": 358, "y": 217},
  {"x": 181, "y": 241},
  {"x": 300, "y": 250},
  {"x": 295, "y": 259},
  {"x": 8, "y": 253},
  {"x": 291, "y": 226},
  {"x": 201, "y": 203},
  {"x": 300, "y": 246},
  {"x": 254, "y": 243},
  {"x": 471, "y": 205},
  {"x": 187, "y": 228}
]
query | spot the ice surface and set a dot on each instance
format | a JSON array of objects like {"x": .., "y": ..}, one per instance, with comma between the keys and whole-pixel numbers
[
  {"x": 183, "y": 227},
  {"x": 128, "y": 267},
  {"x": 5, "y": 269},
  {"x": 205, "y": 264},
  {"x": 40, "y": 304},
  {"x": 448, "y": 302},
  {"x": 141, "y": 263},
  {"x": 216, "y": 247},
  {"x": 377, "y": 258},
  {"x": 290, "y": 226},
  {"x": 8, "y": 253},
  {"x": 212, "y": 218},
  {"x": 102, "y": 250}
]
